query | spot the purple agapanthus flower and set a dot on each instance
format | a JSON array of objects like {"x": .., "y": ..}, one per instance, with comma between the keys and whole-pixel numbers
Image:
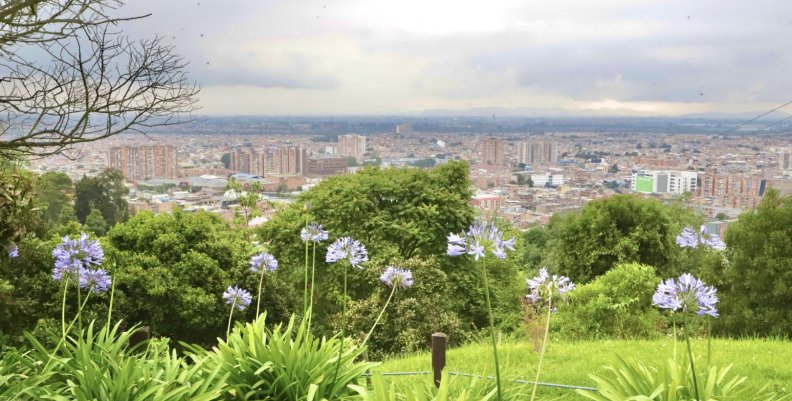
[
  {"x": 689, "y": 238},
  {"x": 397, "y": 277},
  {"x": 73, "y": 255},
  {"x": 346, "y": 248},
  {"x": 238, "y": 297},
  {"x": 96, "y": 280},
  {"x": 263, "y": 260},
  {"x": 314, "y": 232},
  {"x": 687, "y": 294},
  {"x": 13, "y": 251},
  {"x": 545, "y": 286},
  {"x": 480, "y": 238}
]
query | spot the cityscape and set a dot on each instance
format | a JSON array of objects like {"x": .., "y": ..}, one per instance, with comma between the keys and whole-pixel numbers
[{"x": 522, "y": 177}]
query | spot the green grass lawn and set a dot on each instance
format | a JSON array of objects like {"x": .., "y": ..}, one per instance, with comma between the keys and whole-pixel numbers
[{"x": 762, "y": 361}]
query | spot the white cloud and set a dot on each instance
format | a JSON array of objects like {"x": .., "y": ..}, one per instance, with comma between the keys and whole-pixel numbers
[{"x": 377, "y": 56}]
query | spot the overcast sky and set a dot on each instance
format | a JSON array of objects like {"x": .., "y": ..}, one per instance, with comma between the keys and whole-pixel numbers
[{"x": 633, "y": 57}]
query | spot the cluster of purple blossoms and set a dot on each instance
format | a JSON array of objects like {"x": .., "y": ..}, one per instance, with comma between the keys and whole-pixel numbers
[
  {"x": 13, "y": 251},
  {"x": 314, "y": 232},
  {"x": 480, "y": 238},
  {"x": 544, "y": 286},
  {"x": 346, "y": 248},
  {"x": 687, "y": 294},
  {"x": 397, "y": 277},
  {"x": 96, "y": 280},
  {"x": 73, "y": 256},
  {"x": 263, "y": 261},
  {"x": 237, "y": 297},
  {"x": 692, "y": 239}
]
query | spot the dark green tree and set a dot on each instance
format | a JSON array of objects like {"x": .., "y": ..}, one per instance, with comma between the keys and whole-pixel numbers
[
  {"x": 95, "y": 223},
  {"x": 105, "y": 192},
  {"x": 54, "y": 191},
  {"x": 755, "y": 286},
  {"x": 172, "y": 270},
  {"x": 398, "y": 214},
  {"x": 226, "y": 160},
  {"x": 619, "y": 229}
]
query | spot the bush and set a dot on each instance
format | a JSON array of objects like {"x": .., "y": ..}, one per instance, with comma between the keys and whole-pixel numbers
[
  {"x": 617, "y": 304},
  {"x": 413, "y": 314}
]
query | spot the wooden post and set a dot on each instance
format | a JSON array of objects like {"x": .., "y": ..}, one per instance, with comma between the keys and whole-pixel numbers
[
  {"x": 438, "y": 356},
  {"x": 141, "y": 334}
]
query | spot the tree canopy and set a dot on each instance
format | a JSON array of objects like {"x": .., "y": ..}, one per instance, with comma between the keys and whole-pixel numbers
[
  {"x": 755, "y": 286},
  {"x": 619, "y": 229}
]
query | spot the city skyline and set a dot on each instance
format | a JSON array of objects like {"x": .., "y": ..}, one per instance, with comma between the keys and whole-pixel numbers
[{"x": 560, "y": 58}]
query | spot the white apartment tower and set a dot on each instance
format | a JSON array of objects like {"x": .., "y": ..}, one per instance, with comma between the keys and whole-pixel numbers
[{"x": 537, "y": 152}]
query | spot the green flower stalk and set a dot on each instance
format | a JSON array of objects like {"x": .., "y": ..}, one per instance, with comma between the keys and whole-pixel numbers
[
  {"x": 262, "y": 263},
  {"x": 477, "y": 241},
  {"x": 314, "y": 233},
  {"x": 687, "y": 295},
  {"x": 395, "y": 278},
  {"x": 542, "y": 287},
  {"x": 238, "y": 298},
  {"x": 352, "y": 251}
]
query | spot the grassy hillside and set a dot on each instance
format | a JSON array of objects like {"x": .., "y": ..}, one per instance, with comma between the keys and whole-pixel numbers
[{"x": 762, "y": 361}]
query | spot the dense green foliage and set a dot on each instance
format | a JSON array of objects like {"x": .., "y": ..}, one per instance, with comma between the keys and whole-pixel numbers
[
  {"x": 104, "y": 192},
  {"x": 172, "y": 270},
  {"x": 756, "y": 282},
  {"x": 619, "y": 229},
  {"x": 617, "y": 304},
  {"x": 55, "y": 192}
]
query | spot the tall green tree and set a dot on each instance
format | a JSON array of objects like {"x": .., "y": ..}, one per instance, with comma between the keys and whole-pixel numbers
[
  {"x": 55, "y": 191},
  {"x": 408, "y": 212},
  {"x": 105, "y": 192},
  {"x": 619, "y": 229},
  {"x": 755, "y": 286},
  {"x": 95, "y": 223}
]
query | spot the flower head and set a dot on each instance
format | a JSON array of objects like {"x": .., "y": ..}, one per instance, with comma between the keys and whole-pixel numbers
[
  {"x": 480, "y": 238},
  {"x": 544, "y": 286},
  {"x": 263, "y": 260},
  {"x": 13, "y": 251},
  {"x": 689, "y": 238},
  {"x": 346, "y": 248},
  {"x": 314, "y": 232},
  {"x": 687, "y": 294},
  {"x": 397, "y": 277},
  {"x": 73, "y": 255},
  {"x": 96, "y": 280},
  {"x": 237, "y": 297}
]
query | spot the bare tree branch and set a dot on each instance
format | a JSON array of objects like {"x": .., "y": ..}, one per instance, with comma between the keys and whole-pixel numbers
[{"x": 85, "y": 84}]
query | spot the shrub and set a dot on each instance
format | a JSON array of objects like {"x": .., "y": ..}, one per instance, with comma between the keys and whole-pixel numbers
[
  {"x": 413, "y": 315},
  {"x": 617, "y": 304}
]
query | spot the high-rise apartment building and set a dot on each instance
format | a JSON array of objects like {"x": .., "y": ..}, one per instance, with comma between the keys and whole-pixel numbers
[
  {"x": 537, "y": 152},
  {"x": 144, "y": 162},
  {"x": 492, "y": 152},
  {"x": 245, "y": 161},
  {"x": 785, "y": 160},
  {"x": 351, "y": 145},
  {"x": 276, "y": 160}
]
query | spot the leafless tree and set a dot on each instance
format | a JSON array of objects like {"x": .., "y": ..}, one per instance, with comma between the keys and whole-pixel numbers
[{"x": 68, "y": 76}]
